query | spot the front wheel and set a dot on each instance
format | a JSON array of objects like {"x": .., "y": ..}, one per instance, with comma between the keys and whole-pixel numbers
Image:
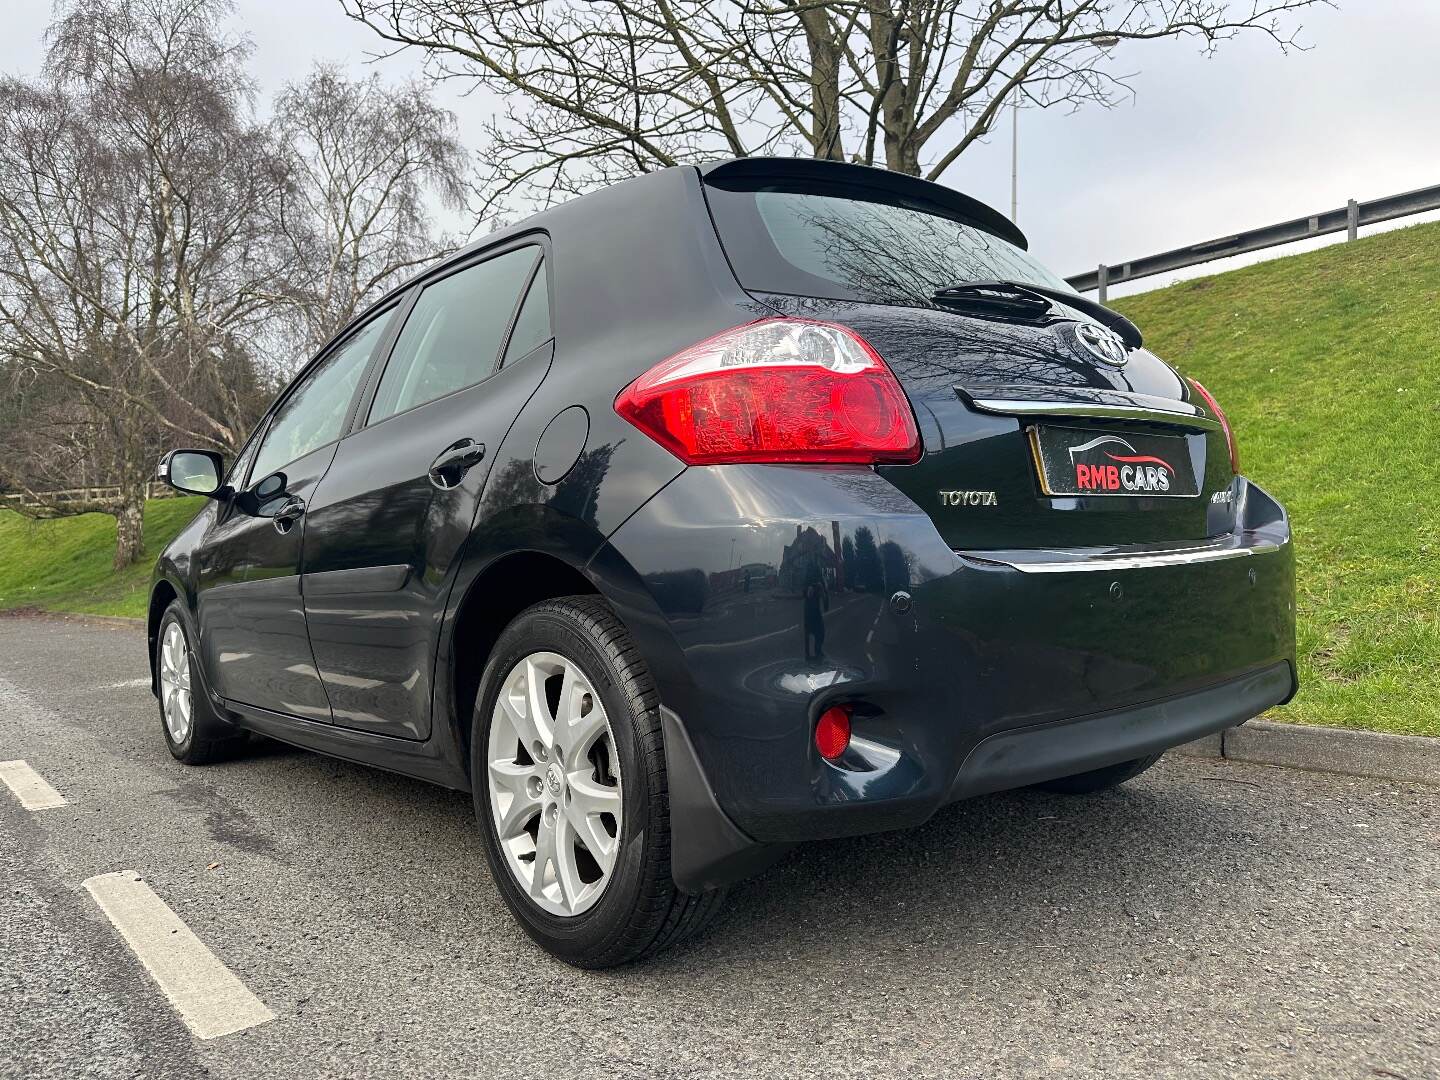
[
  {"x": 1088, "y": 783},
  {"x": 568, "y": 769},
  {"x": 193, "y": 733}
]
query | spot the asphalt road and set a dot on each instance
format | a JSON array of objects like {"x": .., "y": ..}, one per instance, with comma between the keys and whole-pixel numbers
[{"x": 1208, "y": 920}]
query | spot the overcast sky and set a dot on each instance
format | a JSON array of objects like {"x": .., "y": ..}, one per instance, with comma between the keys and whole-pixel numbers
[{"x": 1208, "y": 146}]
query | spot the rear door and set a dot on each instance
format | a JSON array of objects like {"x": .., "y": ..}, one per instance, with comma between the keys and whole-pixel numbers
[
  {"x": 1016, "y": 408},
  {"x": 386, "y": 523},
  {"x": 252, "y": 621}
]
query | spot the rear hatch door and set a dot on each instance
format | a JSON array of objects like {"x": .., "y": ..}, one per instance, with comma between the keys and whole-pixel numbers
[{"x": 1038, "y": 431}]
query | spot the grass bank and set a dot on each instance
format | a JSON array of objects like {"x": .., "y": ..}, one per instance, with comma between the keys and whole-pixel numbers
[
  {"x": 64, "y": 565},
  {"x": 1328, "y": 363}
]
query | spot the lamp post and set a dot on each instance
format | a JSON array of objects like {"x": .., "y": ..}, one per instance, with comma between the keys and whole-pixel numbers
[
  {"x": 1015, "y": 158},
  {"x": 1106, "y": 42}
]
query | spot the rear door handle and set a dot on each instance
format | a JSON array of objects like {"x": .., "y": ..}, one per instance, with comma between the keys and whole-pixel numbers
[
  {"x": 286, "y": 517},
  {"x": 447, "y": 470}
]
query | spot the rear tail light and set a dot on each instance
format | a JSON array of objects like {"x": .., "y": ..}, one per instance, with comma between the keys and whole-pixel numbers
[
  {"x": 1224, "y": 423},
  {"x": 832, "y": 732},
  {"x": 778, "y": 390}
]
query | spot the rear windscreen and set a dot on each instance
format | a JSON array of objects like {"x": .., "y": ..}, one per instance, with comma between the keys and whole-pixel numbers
[{"x": 845, "y": 246}]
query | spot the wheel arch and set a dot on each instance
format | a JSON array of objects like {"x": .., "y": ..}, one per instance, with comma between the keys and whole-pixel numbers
[
  {"x": 564, "y": 558},
  {"x": 162, "y": 594},
  {"x": 501, "y": 590},
  {"x": 522, "y": 557}
]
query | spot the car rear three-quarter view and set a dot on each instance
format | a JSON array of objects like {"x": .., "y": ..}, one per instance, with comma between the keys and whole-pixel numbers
[{"x": 716, "y": 511}]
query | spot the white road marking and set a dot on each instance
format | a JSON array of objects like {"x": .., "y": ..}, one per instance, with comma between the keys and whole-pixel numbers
[
  {"x": 29, "y": 786},
  {"x": 206, "y": 994},
  {"x": 126, "y": 685}
]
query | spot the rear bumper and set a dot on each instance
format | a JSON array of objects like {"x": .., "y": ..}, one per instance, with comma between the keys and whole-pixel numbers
[
  {"x": 966, "y": 672},
  {"x": 1030, "y": 755}
]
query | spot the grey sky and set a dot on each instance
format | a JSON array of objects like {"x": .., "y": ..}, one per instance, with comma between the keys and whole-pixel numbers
[{"x": 1208, "y": 147}]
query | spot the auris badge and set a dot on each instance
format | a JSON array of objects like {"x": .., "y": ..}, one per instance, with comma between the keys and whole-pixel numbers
[
  {"x": 968, "y": 498},
  {"x": 1102, "y": 343}
]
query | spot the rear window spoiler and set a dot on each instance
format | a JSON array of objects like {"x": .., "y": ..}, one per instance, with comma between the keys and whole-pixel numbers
[{"x": 743, "y": 174}]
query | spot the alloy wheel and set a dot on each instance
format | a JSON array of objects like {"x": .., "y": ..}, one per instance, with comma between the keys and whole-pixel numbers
[
  {"x": 175, "y": 683},
  {"x": 553, "y": 779}
]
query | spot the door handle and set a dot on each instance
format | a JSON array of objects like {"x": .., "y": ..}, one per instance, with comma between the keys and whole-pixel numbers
[
  {"x": 447, "y": 470},
  {"x": 286, "y": 517}
]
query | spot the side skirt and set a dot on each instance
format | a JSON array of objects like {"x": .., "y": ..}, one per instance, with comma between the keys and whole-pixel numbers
[{"x": 420, "y": 760}]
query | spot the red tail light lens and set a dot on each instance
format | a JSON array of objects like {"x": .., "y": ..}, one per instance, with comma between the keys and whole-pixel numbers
[
  {"x": 778, "y": 390},
  {"x": 832, "y": 732},
  {"x": 1224, "y": 423}
]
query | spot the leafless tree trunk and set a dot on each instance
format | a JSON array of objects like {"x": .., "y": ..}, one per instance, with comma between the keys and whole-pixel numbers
[
  {"x": 137, "y": 248},
  {"x": 600, "y": 90}
]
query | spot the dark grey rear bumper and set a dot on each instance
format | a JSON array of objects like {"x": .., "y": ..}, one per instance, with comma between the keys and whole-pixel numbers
[
  {"x": 710, "y": 851},
  {"x": 1030, "y": 755}
]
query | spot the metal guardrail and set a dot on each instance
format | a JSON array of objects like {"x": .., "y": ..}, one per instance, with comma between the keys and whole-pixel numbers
[
  {"x": 1348, "y": 219},
  {"x": 154, "y": 489}
]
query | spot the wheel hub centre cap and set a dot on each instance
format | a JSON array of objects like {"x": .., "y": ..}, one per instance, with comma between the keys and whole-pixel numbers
[{"x": 554, "y": 782}]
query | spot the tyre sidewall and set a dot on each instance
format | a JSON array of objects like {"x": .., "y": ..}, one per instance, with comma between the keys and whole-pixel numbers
[
  {"x": 545, "y": 629},
  {"x": 1099, "y": 780}
]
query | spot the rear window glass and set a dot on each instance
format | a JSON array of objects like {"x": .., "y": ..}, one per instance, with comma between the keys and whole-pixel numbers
[
  {"x": 532, "y": 325},
  {"x": 840, "y": 246}
]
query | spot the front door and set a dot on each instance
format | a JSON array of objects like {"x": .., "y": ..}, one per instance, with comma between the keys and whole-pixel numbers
[
  {"x": 393, "y": 512},
  {"x": 252, "y": 618}
]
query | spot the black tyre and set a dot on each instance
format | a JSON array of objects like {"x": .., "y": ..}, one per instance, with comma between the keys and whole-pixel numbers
[
  {"x": 192, "y": 731},
  {"x": 568, "y": 769},
  {"x": 1087, "y": 783}
]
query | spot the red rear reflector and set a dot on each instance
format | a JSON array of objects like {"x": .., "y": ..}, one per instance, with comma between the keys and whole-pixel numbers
[
  {"x": 777, "y": 390},
  {"x": 1224, "y": 423},
  {"x": 832, "y": 732}
]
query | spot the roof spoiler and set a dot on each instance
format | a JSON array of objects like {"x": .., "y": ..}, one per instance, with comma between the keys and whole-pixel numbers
[{"x": 745, "y": 172}]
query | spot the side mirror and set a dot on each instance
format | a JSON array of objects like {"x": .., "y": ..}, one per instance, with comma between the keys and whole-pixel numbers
[{"x": 195, "y": 472}]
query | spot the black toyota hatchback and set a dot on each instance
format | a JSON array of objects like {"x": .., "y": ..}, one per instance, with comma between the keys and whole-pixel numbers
[{"x": 719, "y": 510}]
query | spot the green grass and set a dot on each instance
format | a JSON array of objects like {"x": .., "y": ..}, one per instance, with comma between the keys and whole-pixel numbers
[
  {"x": 64, "y": 565},
  {"x": 1328, "y": 364}
]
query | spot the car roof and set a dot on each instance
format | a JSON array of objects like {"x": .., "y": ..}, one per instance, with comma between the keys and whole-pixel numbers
[{"x": 645, "y": 193}]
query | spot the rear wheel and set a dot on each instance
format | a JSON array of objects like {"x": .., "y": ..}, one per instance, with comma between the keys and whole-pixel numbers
[
  {"x": 193, "y": 733},
  {"x": 568, "y": 771},
  {"x": 1087, "y": 783}
]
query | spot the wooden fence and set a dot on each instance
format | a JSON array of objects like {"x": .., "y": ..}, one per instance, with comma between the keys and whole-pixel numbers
[{"x": 155, "y": 489}]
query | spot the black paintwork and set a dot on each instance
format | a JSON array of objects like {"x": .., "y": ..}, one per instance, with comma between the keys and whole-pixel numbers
[{"x": 758, "y": 595}]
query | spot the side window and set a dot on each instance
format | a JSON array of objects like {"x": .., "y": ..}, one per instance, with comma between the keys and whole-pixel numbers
[
  {"x": 532, "y": 325},
  {"x": 452, "y": 337},
  {"x": 315, "y": 411},
  {"x": 236, "y": 476}
]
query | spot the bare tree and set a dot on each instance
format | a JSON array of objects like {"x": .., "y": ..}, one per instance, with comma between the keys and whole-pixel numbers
[
  {"x": 137, "y": 249},
  {"x": 607, "y": 88},
  {"x": 366, "y": 160}
]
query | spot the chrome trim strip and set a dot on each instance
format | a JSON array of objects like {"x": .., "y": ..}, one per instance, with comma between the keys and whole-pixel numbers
[
  {"x": 1070, "y": 565},
  {"x": 1182, "y": 416}
]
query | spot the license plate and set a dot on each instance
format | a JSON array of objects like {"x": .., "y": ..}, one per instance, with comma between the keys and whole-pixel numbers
[{"x": 1075, "y": 461}]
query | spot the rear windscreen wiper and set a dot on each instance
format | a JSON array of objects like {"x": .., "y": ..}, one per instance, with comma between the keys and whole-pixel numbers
[
  {"x": 1024, "y": 301},
  {"x": 995, "y": 299}
]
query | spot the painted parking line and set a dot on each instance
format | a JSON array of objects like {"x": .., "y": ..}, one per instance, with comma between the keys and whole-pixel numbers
[
  {"x": 206, "y": 994},
  {"x": 29, "y": 786}
]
